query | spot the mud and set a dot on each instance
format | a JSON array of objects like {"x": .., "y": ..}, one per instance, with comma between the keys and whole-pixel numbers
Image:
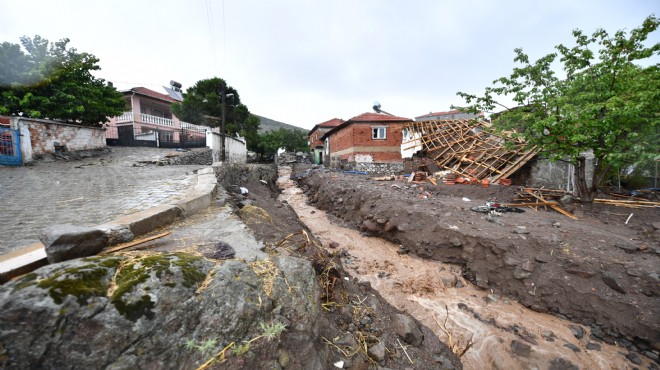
[{"x": 596, "y": 271}]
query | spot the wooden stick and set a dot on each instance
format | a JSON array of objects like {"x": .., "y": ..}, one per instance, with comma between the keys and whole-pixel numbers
[
  {"x": 135, "y": 242},
  {"x": 553, "y": 206}
]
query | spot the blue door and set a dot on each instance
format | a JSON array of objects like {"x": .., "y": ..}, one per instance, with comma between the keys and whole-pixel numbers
[{"x": 10, "y": 147}]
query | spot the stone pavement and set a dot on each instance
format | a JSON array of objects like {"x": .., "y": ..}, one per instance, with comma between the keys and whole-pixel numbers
[{"x": 86, "y": 192}]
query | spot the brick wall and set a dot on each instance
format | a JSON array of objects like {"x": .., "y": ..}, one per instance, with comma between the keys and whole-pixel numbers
[{"x": 354, "y": 143}]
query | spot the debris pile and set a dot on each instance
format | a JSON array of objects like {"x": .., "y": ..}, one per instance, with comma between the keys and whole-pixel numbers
[
  {"x": 291, "y": 157},
  {"x": 468, "y": 148}
]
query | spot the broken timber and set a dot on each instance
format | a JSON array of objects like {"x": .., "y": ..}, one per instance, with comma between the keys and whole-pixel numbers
[{"x": 469, "y": 149}]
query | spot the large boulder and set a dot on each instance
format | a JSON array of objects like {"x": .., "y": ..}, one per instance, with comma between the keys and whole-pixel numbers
[{"x": 171, "y": 310}]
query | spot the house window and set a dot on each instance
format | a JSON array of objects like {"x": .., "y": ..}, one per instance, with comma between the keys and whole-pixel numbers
[{"x": 379, "y": 133}]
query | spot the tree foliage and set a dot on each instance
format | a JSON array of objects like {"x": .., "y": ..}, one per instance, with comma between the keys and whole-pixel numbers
[
  {"x": 607, "y": 103},
  {"x": 202, "y": 103},
  {"x": 291, "y": 140},
  {"x": 49, "y": 80}
]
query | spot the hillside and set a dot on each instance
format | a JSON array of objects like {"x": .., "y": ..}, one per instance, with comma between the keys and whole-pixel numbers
[{"x": 268, "y": 124}]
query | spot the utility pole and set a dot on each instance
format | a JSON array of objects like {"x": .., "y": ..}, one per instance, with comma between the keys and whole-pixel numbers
[{"x": 223, "y": 102}]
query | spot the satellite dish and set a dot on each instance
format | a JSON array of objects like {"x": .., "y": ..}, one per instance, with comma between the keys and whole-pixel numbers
[{"x": 377, "y": 106}]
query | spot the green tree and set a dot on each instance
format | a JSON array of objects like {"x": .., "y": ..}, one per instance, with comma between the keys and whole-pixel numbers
[
  {"x": 606, "y": 104},
  {"x": 47, "y": 80},
  {"x": 290, "y": 140},
  {"x": 202, "y": 103}
]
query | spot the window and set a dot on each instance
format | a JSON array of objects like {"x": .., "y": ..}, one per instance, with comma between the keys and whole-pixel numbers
[{"x": 378, "y": 133}]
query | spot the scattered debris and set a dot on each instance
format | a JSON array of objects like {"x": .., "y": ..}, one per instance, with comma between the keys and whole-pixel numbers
[{"x": 469, "y": 149}]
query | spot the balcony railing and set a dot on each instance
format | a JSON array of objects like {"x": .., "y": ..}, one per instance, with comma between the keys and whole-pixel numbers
[
  {"x": 193, "y": 127},
  {"x": 147, "y": 118},
  {"x": 126, "y": 117}
]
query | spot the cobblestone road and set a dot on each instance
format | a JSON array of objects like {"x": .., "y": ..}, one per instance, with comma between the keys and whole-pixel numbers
[{"x": 85, "y": 192}]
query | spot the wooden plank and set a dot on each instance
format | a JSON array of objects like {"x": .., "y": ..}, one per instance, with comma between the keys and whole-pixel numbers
[
  {"x": 134, "y": 243},
  {"x": 555, "y": 207}
]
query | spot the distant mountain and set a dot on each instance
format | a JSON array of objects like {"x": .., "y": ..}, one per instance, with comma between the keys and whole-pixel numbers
[{"x": 268, "y": 124}]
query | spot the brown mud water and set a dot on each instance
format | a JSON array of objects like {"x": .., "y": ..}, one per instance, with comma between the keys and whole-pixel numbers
[{"x": 500, "y": 333}]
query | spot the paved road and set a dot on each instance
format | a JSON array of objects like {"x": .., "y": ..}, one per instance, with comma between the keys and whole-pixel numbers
[{"x": 85, "y": 192}]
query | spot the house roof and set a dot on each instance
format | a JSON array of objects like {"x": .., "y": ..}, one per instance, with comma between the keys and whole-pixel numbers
[
  {"x": 447, "y": 113},
  {"x": 152, "y": 94},
  {"x": 330, "y": 123},
  {"x": 367, "y": 117},
  {"x": 455, "y": 111}
]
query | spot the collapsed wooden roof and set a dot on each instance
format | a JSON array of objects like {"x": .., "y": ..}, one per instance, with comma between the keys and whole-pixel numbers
[{"x": 468, "y": 148}]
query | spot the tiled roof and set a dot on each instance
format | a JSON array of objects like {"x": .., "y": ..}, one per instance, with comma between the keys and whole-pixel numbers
[
  {"x": 376, "y": 117},
  {"x": 331, "y": 123},
  {"x": 152, "y": 94},
  {"x": 455, "y": 111},
  {"x": 327, "y": 124},
  {"x": 366, "y": 117}
]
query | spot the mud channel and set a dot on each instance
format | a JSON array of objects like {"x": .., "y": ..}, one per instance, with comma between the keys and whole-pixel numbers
[{"x": 504, "y": 334}]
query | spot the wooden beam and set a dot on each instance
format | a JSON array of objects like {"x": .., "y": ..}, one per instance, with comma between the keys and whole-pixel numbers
[{"x": 134, "y": 243}]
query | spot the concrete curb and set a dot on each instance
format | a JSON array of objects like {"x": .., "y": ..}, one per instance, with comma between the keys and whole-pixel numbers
[{"x": 123, "y": 229}]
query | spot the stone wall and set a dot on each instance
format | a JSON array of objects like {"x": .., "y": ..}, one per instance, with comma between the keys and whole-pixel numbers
[{"x": 39, "y": 137}]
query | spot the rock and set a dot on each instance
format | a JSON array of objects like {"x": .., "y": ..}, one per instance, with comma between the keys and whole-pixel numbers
[
  {"x": 573, "y": 347},
  {"x": 543, "y": 258},
  {"x": 652, "y": 355},
  {"x": 406, "y": 327},
  {"x": 66, "y": 242},
  {"x": 577, "y": 331},
  {"x": 127, "y": 312},
  {"x": 520, "y": 274},
  {"x": 370, "y": 225},
  {"x": 377, "y": 352},
  {"x": 455, "y": 242},
  {"x": 548, "y": 335},
  {"x": 221, "y": 251},
  {"x": 333, "y": 245},
  {"x": 593, "y": 346},
  {"x": 634, "y": 358},
  {"x": 117, "y": 234},
  {"x": 527, "y": 266},
  {"x": 561, "y": 363},
  {"x": 346, "y": 340},
  {"x": 611, "y": 281},
  {"x": 492, "y": 298},
  {"x": 448, "y": 278},
  {"x": 510, "y": 261},
  {"x": 597, "y": 332},
  {"x": 556, "y": 224},
  {"x": 520, "y": 349}
]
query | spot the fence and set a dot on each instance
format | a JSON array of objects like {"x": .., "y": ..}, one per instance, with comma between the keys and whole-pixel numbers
[{"x": 130, "y": 135}]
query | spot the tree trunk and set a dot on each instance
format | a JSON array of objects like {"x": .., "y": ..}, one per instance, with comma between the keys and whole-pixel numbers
[{"x": 585, "y": 192}]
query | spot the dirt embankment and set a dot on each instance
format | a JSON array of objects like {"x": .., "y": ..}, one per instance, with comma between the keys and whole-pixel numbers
[
  {"x": 595, "y": 270},
  {"x": 360, "y": 329}
]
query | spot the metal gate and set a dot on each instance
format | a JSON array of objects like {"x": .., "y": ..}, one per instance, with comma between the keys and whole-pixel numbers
[{"x": 10, "y": 147}]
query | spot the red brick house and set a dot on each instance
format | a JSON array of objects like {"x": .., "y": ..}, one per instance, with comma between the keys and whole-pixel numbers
[
  {"x": 369, "y": 142},
  {"x": 314, "y": 137}
]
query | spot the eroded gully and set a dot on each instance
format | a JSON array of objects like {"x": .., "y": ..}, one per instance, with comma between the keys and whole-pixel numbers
[{"x": 505, "y": 334}]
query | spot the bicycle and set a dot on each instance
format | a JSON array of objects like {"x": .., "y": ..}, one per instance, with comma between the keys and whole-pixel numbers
[{"x": 495, "y": 207}]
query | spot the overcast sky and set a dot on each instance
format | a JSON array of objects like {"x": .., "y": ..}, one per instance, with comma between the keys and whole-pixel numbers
[{"x": 303, "y": 62}]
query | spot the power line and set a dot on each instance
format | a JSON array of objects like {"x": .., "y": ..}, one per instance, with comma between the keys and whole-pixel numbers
[{"x": 209, "y": 19}]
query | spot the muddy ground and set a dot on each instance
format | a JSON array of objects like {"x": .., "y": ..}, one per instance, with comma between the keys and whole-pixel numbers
[
  {"x": 362, "y": 329},
  {"x": 596, "y": 271}
]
